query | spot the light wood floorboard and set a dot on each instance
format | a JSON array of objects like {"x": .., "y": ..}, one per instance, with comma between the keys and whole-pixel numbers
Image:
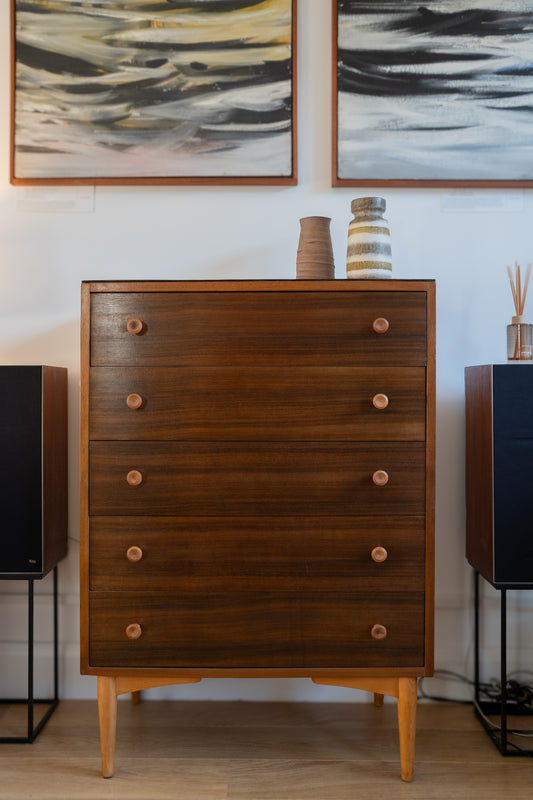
[{"x": 258, "y": 751}]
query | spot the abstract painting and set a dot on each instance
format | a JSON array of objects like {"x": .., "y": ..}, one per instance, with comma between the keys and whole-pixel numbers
[
  {"x": 434, "y": 92},
  {"x": 153, "y": 91}
]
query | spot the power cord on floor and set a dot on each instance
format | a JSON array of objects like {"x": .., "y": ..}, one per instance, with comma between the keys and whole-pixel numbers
[{"x": 519, "y": 694}]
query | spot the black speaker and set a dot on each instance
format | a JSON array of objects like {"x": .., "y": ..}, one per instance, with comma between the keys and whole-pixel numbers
[
  {"x": 499, "y": 473},
  {"x": 33, "y": 469}
]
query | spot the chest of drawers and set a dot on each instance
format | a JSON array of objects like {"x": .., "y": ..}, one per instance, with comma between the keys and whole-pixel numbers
[{"x": 257, "y": 486}]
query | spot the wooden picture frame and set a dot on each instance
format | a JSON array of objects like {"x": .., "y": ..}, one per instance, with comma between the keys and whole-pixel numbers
[
  {"x": 144, "y": 92},
  {"x": 432, "y": 95}
]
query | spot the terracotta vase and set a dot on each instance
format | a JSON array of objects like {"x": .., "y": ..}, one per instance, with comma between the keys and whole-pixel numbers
[
  {"x": 314, "y": 259},
  {"x": 369, "y": 250}
]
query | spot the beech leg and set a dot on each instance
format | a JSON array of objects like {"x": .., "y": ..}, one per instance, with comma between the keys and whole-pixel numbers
[
  {"x": 107, "y": 712},
  {"x": 407, "y": 725}
]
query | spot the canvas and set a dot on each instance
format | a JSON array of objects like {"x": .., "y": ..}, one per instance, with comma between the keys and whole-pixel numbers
[
  {"x": 154, "y": 90},
  {"x": 434, "y": 92}
]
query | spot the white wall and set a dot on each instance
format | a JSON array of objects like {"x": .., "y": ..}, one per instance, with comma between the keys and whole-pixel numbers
[{"x": 166, "y": 232}]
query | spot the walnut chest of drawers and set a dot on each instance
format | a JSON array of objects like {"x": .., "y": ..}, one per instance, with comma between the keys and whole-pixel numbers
[{"x": 258, "y": 486}]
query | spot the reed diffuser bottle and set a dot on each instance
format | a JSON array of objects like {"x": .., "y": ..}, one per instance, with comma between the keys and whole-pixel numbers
[{"x": 519, "y": 332}]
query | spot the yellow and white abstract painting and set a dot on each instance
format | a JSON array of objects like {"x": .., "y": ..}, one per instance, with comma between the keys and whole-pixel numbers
[{"x": 153, "y": 89}]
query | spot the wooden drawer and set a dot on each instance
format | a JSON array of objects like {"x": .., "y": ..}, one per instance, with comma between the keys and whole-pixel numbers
[
  {"x": 255, "y": 553},
  {"x": 256, "y": 630},
  {"x": 258, "y": 328},
  {"x": 256, "y": 478},
  {"x": 261, "y": 403}
]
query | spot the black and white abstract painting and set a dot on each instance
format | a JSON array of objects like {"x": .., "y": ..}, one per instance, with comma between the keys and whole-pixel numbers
[
  {"x": 145, "y": 90},
  {"x": 440, "y": 90}
]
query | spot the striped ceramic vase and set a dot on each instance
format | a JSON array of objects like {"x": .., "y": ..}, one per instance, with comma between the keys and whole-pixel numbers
[{"x": 369, "y": 252}]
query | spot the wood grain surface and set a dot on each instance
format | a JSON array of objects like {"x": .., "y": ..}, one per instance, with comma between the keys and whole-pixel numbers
[
  {"x": 261, "y": 403},
  {"x": 256, "y": 629},
  {"x": 286, "y": 553},
  {"x": 255, "y": 478},
  {"x": 479, "y": 469},
  {"x": 200, "y": 750},
  {"x": 252, "y": 328}
]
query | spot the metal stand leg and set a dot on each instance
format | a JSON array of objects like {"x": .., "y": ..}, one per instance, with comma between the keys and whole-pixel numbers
[
  {"x": 56, "y": 641},
  {"x": 476, "y": 636},
  {"x": 30, "y": 658},
  {"x": 503, "y": 670},
  {"x": 30, "y": 701}
]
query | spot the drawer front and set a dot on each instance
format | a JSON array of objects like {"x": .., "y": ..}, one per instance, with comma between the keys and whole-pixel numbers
[
  {"x": 232, "y": 478},
  {"x": 257, "y": 328},
  {"x": 169, "y": 554},
  {"x": 256, "y": 630},
  {"x": 261, "y": 403}
]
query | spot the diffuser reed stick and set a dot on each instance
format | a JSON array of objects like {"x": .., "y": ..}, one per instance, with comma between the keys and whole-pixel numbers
[{"x": 522, "y": 350}]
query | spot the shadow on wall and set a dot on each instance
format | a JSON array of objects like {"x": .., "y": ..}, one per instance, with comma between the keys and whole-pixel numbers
[{"x": 56, "y": 347}]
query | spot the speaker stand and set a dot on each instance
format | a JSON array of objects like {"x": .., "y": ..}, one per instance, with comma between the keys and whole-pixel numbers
[
  {"x": 30, "y": 700},
  {"x": 498, "y": 735}
]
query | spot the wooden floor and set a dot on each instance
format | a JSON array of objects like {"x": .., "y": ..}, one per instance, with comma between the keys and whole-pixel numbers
[{"x": 258, "y": 751}]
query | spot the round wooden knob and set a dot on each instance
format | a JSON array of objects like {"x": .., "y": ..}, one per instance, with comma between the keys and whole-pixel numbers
[
  {"x": 134, "y": 400},
  {"x": 379, "y": 554},
  {"x": 134, "y": 631},
  {"x": 380, "y": 477},
  {"x": 135, "y": 553},
  {"x": 135, "y": 326},
  {"x": 380, "y": 401},
  {"x": 378, "y": 631},
  {"x": 381, "y": 325},
  {"x": 134, "y": 477}
]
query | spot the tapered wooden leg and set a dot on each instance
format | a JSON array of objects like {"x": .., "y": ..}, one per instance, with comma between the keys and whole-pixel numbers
[
  {"x": 107, "y": 712},
  {"x": 407, "y": 726},
  {"x": 378, "y": 699}
]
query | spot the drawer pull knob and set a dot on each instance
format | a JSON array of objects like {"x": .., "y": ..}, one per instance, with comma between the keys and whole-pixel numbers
[
  {"x": 380, "y": 477},
  {"x": 134, "y": 400},
  {"x": 134, "y": 477},
  {"x": 134, "y": 631},
  {"x": 381, "y": 325},
  {"x": 378, "y": 632},
  {"x": 135, "y": 326},
  {"x": 379, "y": 554},
  {"x": 135, "y": 554},
  {"x": 380, "y": 401}
]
